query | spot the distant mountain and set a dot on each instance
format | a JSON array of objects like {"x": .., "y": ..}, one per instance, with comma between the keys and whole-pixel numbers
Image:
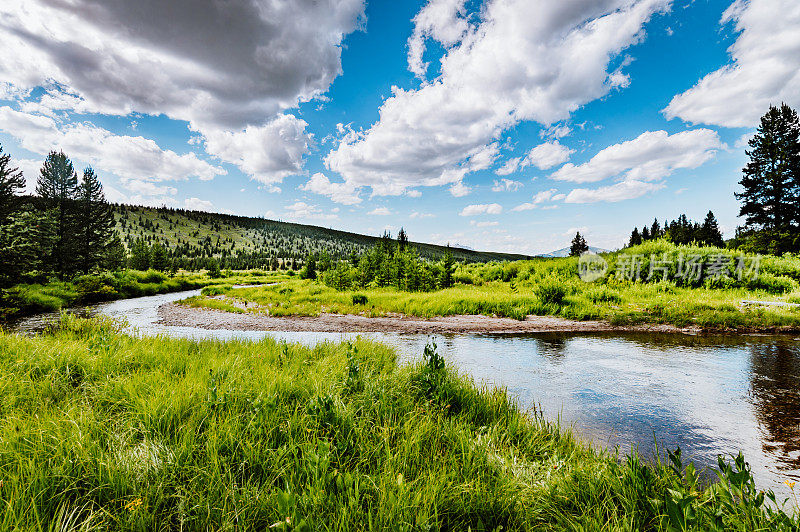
[
  {"x": 564, "y": 252},
  {"x": 462, "y": 246}
]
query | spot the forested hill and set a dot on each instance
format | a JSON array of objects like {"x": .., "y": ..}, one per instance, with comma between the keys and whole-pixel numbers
[{"x": 244, "y": 242}]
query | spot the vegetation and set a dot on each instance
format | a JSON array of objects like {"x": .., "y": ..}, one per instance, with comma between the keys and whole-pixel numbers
[
  {"x": 771, "y": 185},
  {"x": 104, "y": 431},
  {"x": 664, "y": 292},
  {"x": 681, "y": 231},
  {"x": 578, "y": 246}
]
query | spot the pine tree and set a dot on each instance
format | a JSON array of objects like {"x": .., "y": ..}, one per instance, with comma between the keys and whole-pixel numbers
[
  {"x": 159, "y": 258},
  {"x": 578, "y": 246},
  {"x": 402, "y": 239},
  {"x": 140, "y": 255},
  {"x": 449, "y": 268},
  {"x": 11, "y": 185},
  {"x": 710, "y": 233},
  {"x": 26, "y": 241},
  {"x": 655, "y": 229},
  {"x": 115, "y": 257},
  {"x": 94, "y": 220},
  {"x": 636, "y": 237},
  {"x": 58, "y": 185},
  {"x": 771, "y": 180}
]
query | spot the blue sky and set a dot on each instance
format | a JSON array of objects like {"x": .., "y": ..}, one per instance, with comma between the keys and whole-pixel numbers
[{"x": 501, "y": 125}]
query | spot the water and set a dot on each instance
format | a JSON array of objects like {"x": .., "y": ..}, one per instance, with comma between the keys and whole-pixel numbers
[{"x": 710, "y": 395}]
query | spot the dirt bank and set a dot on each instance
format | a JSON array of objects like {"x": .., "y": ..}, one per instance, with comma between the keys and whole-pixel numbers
[{"x": 203, "y": 318}]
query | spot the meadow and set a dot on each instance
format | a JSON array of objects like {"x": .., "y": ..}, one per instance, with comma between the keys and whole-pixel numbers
[
  {"x": 103, "y": 431},
  {"x": 26, "y": 299},
  {"x": 517, "y": 289}
]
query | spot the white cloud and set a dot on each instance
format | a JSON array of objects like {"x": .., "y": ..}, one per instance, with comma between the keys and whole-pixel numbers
[
  {"x": 764, "y": 68},
  {"x": 197, "y": 204},
  {"x": 475, "y": 210},
  {"x": 301, "y": 210},
  {"x": 651, "y": 156},
  {"x": 338, "y": 192},
  {"x": 459, "y": 190},
  {"x": 483, "y": 224},
  {"x": 441, "y": 20},
  {"x": 380, "y": 211},
  {"x": 556, "y": 131},
  {"x": 506, "y": 185},
  {"x": 421, "y": 215},
  {"x": 131, "y": 158},
  {"x": 543, "y": 156},
  {"x": 156, "y": 57},
  {"x": 624, "y": 190},
  {"x": 521, "y": 61},
  {"x": 266, "y": 153},
  {"x": 538, "y": 198}
]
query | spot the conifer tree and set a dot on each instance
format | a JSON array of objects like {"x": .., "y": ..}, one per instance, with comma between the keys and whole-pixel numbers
[
  {"x": 449, "y": 267},
  {"x": 159, "y": 258},
  {"x": 140, "y": 255},
  {"x": 710, "y": 232},
  {"x": 95, "y": 222},
  {"x": 578, "y": 246},
  {"x": 771, "y": 180},
  {"x": 58, "y": 185},
  {"x": 11, "y": 185}
]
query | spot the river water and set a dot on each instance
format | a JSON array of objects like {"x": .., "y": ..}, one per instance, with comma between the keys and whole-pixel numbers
[{"x": 710, "y": 395}]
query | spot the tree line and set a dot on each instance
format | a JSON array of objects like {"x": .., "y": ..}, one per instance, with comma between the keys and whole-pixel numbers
[
  {"x": 67, "y": 229},
  {"x": 681, "y": 231}
]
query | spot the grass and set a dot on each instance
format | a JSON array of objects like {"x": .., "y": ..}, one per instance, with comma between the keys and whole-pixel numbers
[
  {"x": 28, "y": 299},
  {"x": 552, "y": 287},
  {"x": 102, "y": 431}
]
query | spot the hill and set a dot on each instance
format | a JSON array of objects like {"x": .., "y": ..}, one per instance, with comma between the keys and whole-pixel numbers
[
  {"x": 564, "y": 252},
  {"x": 242, "y": 242}
]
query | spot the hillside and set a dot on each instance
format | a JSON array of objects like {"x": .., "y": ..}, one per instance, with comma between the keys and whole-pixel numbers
[
  {"x": 564, "y": 252},
  {"x": 244, "y": 242}
]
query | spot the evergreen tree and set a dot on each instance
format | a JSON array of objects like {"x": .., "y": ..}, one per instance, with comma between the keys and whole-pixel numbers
[
  {"x": 655, "y": 229},
  {"x": 771, "y": 180},
  {"x": 645, "y": 233},
  {"x": 115, "y": 257},
  {"x": 95, "y": 222},
  {"x": 449, "y": 268},
  {"x": 26, "y": 241},
  {"x": 636, "y": 237},
  {"x": 140, "y": 255},
  {"x": 402, "y": 239},
  {"x": 159, "y": 258},
  {"x": 710, "y": 233},
  {"x": 58, "y": 185},
  {"x": 11, "y": 185},
  {"x": 578, "y": 246}
]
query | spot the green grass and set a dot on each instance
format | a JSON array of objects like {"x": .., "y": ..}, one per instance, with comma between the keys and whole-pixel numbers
[
  {"x": 547, "y": 287},
  {"x": 28, "y": 299},
  {"x": 101, "y": 431}
]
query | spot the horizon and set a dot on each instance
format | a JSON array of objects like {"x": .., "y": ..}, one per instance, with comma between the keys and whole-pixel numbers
[{"x": 502, "y": 125}]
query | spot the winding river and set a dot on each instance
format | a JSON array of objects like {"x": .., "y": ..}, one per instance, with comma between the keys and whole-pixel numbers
[{"x": 707, "y": 394}]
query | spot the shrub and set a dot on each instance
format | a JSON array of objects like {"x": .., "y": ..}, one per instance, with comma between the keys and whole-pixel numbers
[
  {"x": 359, "y": 299},
  {"x": 551, "y": 291}
]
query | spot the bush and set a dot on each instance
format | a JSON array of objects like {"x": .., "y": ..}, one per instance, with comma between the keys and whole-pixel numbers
[
  {"x": 604, "y": 295},
  {"x": 551, "y": 291},
  {"x": 359, "y": 299}
]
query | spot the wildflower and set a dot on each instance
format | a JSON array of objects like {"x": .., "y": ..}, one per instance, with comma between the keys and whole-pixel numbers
[
  {"x": 135, "y": 503},
  {"x": 790, "y": 484}
]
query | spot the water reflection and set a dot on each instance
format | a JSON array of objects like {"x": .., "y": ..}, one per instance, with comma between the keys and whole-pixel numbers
[
  {"x": 776, "y": 397},
  {"x": 710, "y": 395}
]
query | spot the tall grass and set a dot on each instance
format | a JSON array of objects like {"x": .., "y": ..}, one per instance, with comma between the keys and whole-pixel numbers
[{"x": 102, "y": 431}]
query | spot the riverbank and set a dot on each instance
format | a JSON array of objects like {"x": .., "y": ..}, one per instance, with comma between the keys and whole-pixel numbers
[
  {"x": 29, "y": 299},
  {"x": 102, "y": 429},
  {"x": 176, "y": 314}
]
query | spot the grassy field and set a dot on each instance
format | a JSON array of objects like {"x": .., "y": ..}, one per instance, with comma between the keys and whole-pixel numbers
[
  {"x": 101, "y": 431},
  {"x": 26, "y": 299},
  {"x": 552, "y": 287}
]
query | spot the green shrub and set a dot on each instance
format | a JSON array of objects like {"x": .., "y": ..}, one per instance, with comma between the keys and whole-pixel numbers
[
  {"x": 359, "y": 299},
  {"x": 551, "y": 291}
]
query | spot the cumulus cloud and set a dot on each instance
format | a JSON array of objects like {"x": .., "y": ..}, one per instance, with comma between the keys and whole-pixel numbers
[
  {"x": 440, "y": 20},
  {"x": 538, "y": 198},
  {"x": 300, "y": 210},
  {"x": 764, "y": 68},
  {"x": 119, "y": 57},
  {"x": 380, "y": 211},
  {"x": 337, "y": 192},
  {"x": 506, "y": 185},
  {"x": 544, "y": 156},
  {"x": 197, "y": 204},
  {"x": 475, "y": 210},
  {"x": 421, "y": 215},
  {"x": 624, "y": 190},
  {"x": 131, "y": 158},
  {"x": 521, "y": 61},
  {"x": 651, "y": 156}
]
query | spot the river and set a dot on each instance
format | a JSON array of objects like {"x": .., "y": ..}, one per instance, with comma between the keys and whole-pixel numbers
[{"x": 710, "y": 395}]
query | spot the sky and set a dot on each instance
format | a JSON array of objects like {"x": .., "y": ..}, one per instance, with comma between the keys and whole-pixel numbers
[{"x": 502, "y": 125}]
